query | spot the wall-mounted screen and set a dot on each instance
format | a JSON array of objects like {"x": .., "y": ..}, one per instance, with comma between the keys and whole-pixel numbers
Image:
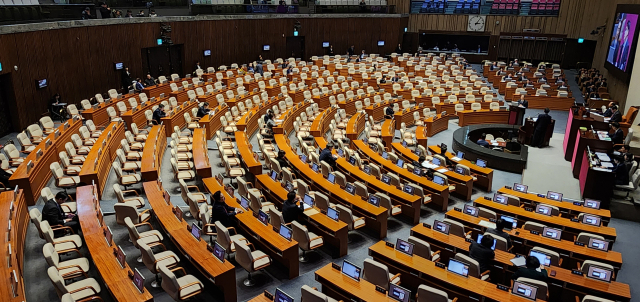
[
  {"x": 380, "y": 43},
  {"x": 42, "y": 83},
  {"x": 119, "y": 66},
  {"x": 325, "y": 44},
  {"x": 266, "y": 47},
  {"x": 207, "y": 52},
  {"x": 622, "y": 44}
]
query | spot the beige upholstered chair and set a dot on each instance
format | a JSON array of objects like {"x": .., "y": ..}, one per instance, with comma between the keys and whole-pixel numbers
[
  {"x": 542, "y": 293},
  {"x": 126, "y": 179},
  {"x": 208, "y": 229},
  {"x": 71, "y": 268},
  {"x": 67, "y": 207},
  {"x": 153, "y": 261},
  {"x": 151, "y": 237},
  {"x": 250, "y": 261},
  {"x": 182, "y": 288},
  {"x": 69, "y": 243},
  {"x": 311, "y": 294},
  {"x": 474, "y": 267},
  {"x": 124, "y": 210},
  {"x": 225, "y": 240},
  {"x": 378, "y": 274},
  {"x": 431, "y": 294},
  {"x": 137, "y": 201},
  {"x": 78, "y": 290},
  {"x": 457, "y": 228},
  {"x": 423, "y": 249},
  {"x": 307, "y": 241}
]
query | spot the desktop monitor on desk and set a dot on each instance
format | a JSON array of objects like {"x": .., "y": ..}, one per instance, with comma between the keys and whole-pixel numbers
[
  {"x": 520, "y": 187},
  {"x": 551, "y": 233},
  {"x": 591, "y": 220},
  {"x": 481, "y": 163},
  {"x": 263, "y": 217},
  {"x": 460, "y": 155},
  {"x": 333, "y": 214},
  {"x": 367, "y": 169},
  {"x": 436, "y": 161},
  {"x": 593, "y": 204},
  {"x": 409, "y": 189},
  {"x": 493, "y": 247},
  {"x": 400, "y": 163},
  {"x": 417, "y": 171},
  {"x": 441, "y": 227},
  {"x": 458, "y": 267},
  {"x": 543, "y": 209},
  {"x": 219, "y": 252},
  {"x": 599, "y": 273},
  {"x": 374, "y": 200},
  {"x": 314, "y": 167},
  {"x": 470, "y": 210},
  {"x": 385, "y": 155},
  {"x": 350, "y": 188},
  {"x": 598, "y": 244},
  {"x": 438, "y": 179},
  {"x": 554, "y": 196},
  {"x": 307, "y": 202},
  {"x": 195, "y": 231},
  {"x": 542, "y": 257},
  {"x": 244, "y": 203},
  {"x": 138, "y": 280},
  {"x": 398, "y": 293},
  {"x": 524, "y": 290},
  {"x": 352, "y": 160},
  {"x": 274, "y": 175},
  {"x": 404, "y": 246},
  {"x": 280, "y": 296},
  {"x": 331, "y": 178},
  {"x": 285, "y": 232},
  {"x": 385, "y": 179},
  {"x": 514, "y": 222},
  {"x": 351, "y": 270},
  {"x": 501, "y": 199},
  {"x": 288, "y": 186}
]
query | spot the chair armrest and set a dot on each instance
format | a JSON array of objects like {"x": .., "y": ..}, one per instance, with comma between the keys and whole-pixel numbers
[
  {"x": 234, "y": 230},
  {"x": 66, "y": 206},
  {"x": 158, "y": 244},
  {"x": 179, "y": 268},
  {"x": 468, "y": 233},
  {"x": 190, "y": 284},
  {"x": 60, "y": 227},
  {"x": 560, "y": 262},
  {"x": 166, "y": 257},
  {"x": 143, "y": 224},
  {"x": 83, "y": 288},
  {"x": 359, "y": 218},
  {"x": 74, "y": 181},
  {"x": 455, "y": 299},
  {"x": 69, "y": 251},
  {"x": 485, "y": 273},
  {"x": 256, "y": 259},
  {"x": 145, "y": 211},
  {"x": 394, "y": 277},
  {"x": 314, "y": 238},
  {"x": 128, "y": 191},
  {"x": 74, "y": 273},
  {"x": 68, "y": 240},
  {"x": 195, "y": 187}
]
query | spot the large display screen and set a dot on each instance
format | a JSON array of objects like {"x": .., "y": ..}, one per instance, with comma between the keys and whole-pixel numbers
[{"x": 622, "y": 38}]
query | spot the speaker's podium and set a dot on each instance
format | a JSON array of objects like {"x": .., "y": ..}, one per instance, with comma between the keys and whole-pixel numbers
[
  {"x": 516, "y": 114},
  {"x": 525, "y": 133}
]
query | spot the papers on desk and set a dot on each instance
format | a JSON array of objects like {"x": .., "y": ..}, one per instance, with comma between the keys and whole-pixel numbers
[
  {"x": 455, "y": 158},
  {"x": 601, "y": 169},
  {"x": 487, "y": 224},
  {"x": 603, "y": 136},
  {"x": 519, "y": 261},
  {"x": 429, "y": 165},
  {"x": 495, "y": 144},
  {"x": 535, "y": 119},
  {"x": 603, "y": 156},
  {"x": 607, "y": 119},
  {"x": 278, "y": 121},
  {"x": 443, "y": 170},
  {"x": 607, "y": 165}
]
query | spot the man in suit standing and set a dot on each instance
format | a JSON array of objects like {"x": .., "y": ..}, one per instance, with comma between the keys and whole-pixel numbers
[
  {"x": 220, "y": 211},
  {"x": 617, "y": 136},
  {"x": 126, "y": 78},
  {"x": 616, "y": 116},
  {"x": 53, "y": 213},
  {"x": 522, "y": 102},
  {"x": 351, "y": 51},
  {"x": 540, "y": 128},
  {"x": 398, "y": 49}
]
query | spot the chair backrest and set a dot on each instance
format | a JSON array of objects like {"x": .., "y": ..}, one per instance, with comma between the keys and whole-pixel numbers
[
  {"x": 345, "y": 215},
  {"x": 301, "y": 235},
  {"x": 243, "y": 256},
  {"x": 584, "y": 237},
  {"x": 311, "y": 295},
  {"x": 474, "y": 266},
  {"x": 376, "y": 273},
  {"x": 223, "y": 237},
  {"x": 57, "y": 280},
  {"x": 555, "y": 256},
  {"x": 542, "y": 287},
  {"x": 530, "y": 225},
  {"x": 123, "y": 211},
  {"x": 430, "y": 294},
  {"x": 420, "y": 248}
]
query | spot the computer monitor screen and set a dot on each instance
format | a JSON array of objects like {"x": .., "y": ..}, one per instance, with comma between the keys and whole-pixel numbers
[
  {"x": 119, "y": 66},
  {"x": 481, "y": 163},
  {"x": 524, "y": 290},
  {"x": 398, "y": 293},
  {"x": 438, "y": 179},
  {"x": 303, "y": 158},
  {"x": 263, "y": 217},
  {"x": 138, "y": 280},
  {"x": 404, "y": 246},
  {"x": 325, "y": 44},
  {"x": 374, "y": 200},
  {"x": 385, "y": 155},
  {"x": 121, "y": 256},
  {"x": 599, "y": 273},
  {"x": 520, "y": 187},
  {"x": 400, "y": 163},
  {"x": 499, "y": 198},
  {"x": 331, "y": 178},
  {"x": 458, "y": 267},
  {"x": 195, "y": 230},
  {"x": 380, "y": 43},
  {"x": 460, "y": 154},
  {"x": 207, "y": 52},
  {"x": 514, "y": 222},
  {"x": 288, "y": 186},
  {"x": 590, "y": 203},
  {"x": 460, "y": 170},
  {"x": 367, "y": 169},
  {"x": 436, "y": 161},
  {"x": 340, "y": 152},
  {"x": 591, "y": 219},
  {"x": 470, "y": 210},
  {"x": 42, "y": 83},
  {"x": 266, "y": 47},
  {"x": 385, "y": 179},
  {"x": 543, "y": 209},
  {"x": 552, "y": 233},
  {"x": 598, "y": 244},
  {"x": 219, "y": 251},
  {"x": 554, "y": 196},
  {"x": 493, "y": 247},
  {"x": 404, "y": 144},
  {"x": 333, "y": 214},
  {"x": 408, "y": 189},
  {"x": 351, "y": 270},
  {"x": 314, "y": 167},
  {"x": 244, "y": 203},
  {"x": 274, "y": 175},
  {"x": 351, "y": 189},
  {"x": 308, "y": 200},
  {"x": 441, "y": 227},
  {"x": 285, "y": 232},
  {"x": 417, "y": 171},
  {"x": 542, "y": 257},
  {"x": 352, "y": 160},
  {"x": 622, "y": 43},
  {"x": 280, "y": 296}
]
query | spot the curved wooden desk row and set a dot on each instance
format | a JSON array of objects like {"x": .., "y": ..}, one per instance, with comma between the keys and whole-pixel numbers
[
  {"x": 211, "y": 123},
  {"x": 38, "y": 177},
  {"x": 484, "y": 175},
  {"x": 432, "y": 126},
  {"x": 439, "y": 194},
  {"x": 523, "y": 241},
  {"x": 450, "y": 107},
  {"x": 565, "y": 207},
  {"x": 387, "y": 131},
  {"x": 114, "y": 276},
  {"x": 12, "y": 287},
  {"x": 201, "y": 154},
  {"x": 569, "y": 228},
  {"x": 502, "y": 86},
  {"x": 406, "y": 116},
  {"x": 137, "y": 115},
  {"x": 338, "y": 286},
  {"x": 551, "y": 102},
  {"x": 483, "y": 116},
  {"x": 177, "y": 116},
  {"x": 354, "y": 126},
  {"x": 151, "y": 162},
  {"x": 288, "y": 117},
  {"x": 263, "y": 236},
  {"x": 97, "y": 165},
  {"x": 99, "y": 114},
  {"x": 249, "y": 120},
  {"x": 415, "y": 270},
  {"x": 409, "y": 204},
  {"x": 463, "y": 183},
  {"x": 375, "y": 217},
  {"x": 563, "y": 280},
  {"x": 510, "y": 93},
  {"x": 321, "y": 123},
  {"x": 248, "y": 157},
  {"x": 222, "y": 275}
]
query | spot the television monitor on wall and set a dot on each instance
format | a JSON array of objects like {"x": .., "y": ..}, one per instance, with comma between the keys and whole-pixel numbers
[
  {"x": 42, "y": 83},
  {"x": 207, "y": 52},
  {"x": 380, "y": 43},
  {"x": 622, "y": 42},
  {"x": 266, "y": 47},
  {"x": 325, "y": 44},
  {"x": 119, "y": 66}
]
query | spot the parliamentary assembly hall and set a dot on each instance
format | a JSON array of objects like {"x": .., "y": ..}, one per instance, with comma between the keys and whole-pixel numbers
[{"x": 319, "y": 150}]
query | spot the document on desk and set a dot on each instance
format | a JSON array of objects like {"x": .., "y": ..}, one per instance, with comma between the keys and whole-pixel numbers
[
  {"x": 455, "y": 158},
  {"x": 607, "y": 165},
  {"x": 601, "y": 169},
  {"x": 487, "y": 224},
  {"x": 443, "y": 170},
  {"x": 429, "y": 165},
  {"x": 603, "y": 136},
  {"x": 519, "y": 261},
  {"x": 603, "y": 156}
]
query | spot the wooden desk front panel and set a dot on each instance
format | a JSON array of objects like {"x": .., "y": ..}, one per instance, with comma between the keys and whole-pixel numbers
[
  {"x": 157, "y": 90},
  {"x": 212, "y": 122},
  {"x": 450, "y": 108},
  {"x": 436, "y": 124},
  {"x": 13, "y": 243},
  {"x": 484, "y": 175},
  {"x": 551, "y": 102},
  {"x": 249, "y": 120},
  {"x": 388, "y": 132},
  {"x": 421, "y": 136},
  {"x": 485, "y": 116},
  {"x": 249, "y": 162},
  {"x": 155, "y": 144},
  {"x": 138, "y": 117},
  {"x": 201, "y": 154},
  {"x": 355, "y": 126},
  {"x": 406, "y": 117},
  {"x": 287, "y": 123},
  {"x": 113, "y": 275},
  {"x": 338, "y": 286},
  {"x": 222, "y": 275},
  {"x": 321, "y": 122},
  {"x": 177, "y": 119},
  {"x": 33, "y": 182},
  {"x": 96, "y": 167}
]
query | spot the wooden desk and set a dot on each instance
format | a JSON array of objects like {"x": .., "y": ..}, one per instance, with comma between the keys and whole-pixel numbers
[
  {"x": 406, "y": 116},
  {"x": 264, "y": 236},
  {"x": 177, "y": 118},
  {"x": 484, "y": 116},
  {"x": 354, "y": 126},
  {"x": 249, "y": 120},
  {"x": 417, "y": 270},
  {"x": 440, "y": 194},
  {"x": 375, "y": 217},
  {"x": 138, "y": 117},
  {"x": 568, "y": 207},
  {"x": 484, "y": 175},
  {"x": 334, "y": 233},
  {"x": 584, "y": 139},
  {"x": 13, "y": 242},
  {"x": 223, "y": 275},
  {"x": 98, "y": 162},
  {"x": 249, "y": 162},
  {"x": 421, "y": 136},
  {"x": 321, "y": 123},
  {"x": 463, "y": 183},
  {"x": 377, "y": 110},
  {"x": 563, "y": 280},
  {"x": 99, "y": 114},
  {"x": 260, "y": 298},
  {"x": 211, "y": 123},
  {"x": 156, "y": 145},
  {"x": 156, "y": 90},
  {"x": 388, "y": 131},
  {"x": 201, "y": 154},
  {"x": 575, "y": 122},
  {"x": 436, "y": 124},
  {"x": 33, "y": 182},
  {"x": 551, "y": 102},
  {"x": 523, "y": 241},
  {"x": 450, "y": 108},
  {"x": 596, "y": 184},
  {"x": 116, "y": 278},
  {"x": 289, "y": 117},
  {"x": 568, "y": 227},
  {"x": 337, "y": 285}
]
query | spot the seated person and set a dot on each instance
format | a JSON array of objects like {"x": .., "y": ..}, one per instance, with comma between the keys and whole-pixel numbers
[
  {"x": 482, "y": 142},
  {"x": 388, "y": 113},
  {"x": 532, "y": 270},
  {"x": 282, "y": 160},
  {"x": 616, "y": 116},
  {"x": 609, "y": 112},
  {"x": 509, "y": 77},
  {"x": 158, "y": 114},
  {"x": 529, "y": 84},
  {"x": 290, "y": 208},
  {"x": 327, "y": 156},
  {"x": 620, "y": 170},
  {"x": 499, "y": 231},
  {"x": 617, "y": 136},
  {"x": 203, "y": 110},
  {"x": 483, "y": 253},
  {"x": 53, "y": 213}
]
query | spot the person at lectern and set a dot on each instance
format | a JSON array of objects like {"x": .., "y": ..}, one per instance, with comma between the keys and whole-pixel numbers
[
  {"x": 522, "y": 102},
  {"x": 540, "y": 128}
]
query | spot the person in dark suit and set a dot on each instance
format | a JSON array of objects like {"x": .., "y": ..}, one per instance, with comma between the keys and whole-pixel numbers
[
  {"x": 203, "y": 110},
  {"x": 159, "y": 114},
  {"x": 282, "y": 160},
  {"x": 53, "y": 213},
  {"x": 388, "y": 113},
  {"x": 533, "y": 270},
  {"x": 197, "y": 67},
  {"x": 540, "y": 128},
  {"x": 138, "y": 85},
  {"x": 398, "y": 49},
  {"x": 620, "y": 171},
  {"x": 395, "y": 79},
  {"x": 330, "y": 51},
  {"x": 105, "y": 11},
  {"x": 327, "y": 156},
  {"x": 499, "y": 231},
  {"x": 126, "y": 78},
  {"x": 616, "y": 116},
  {"x": 149, "y": 81},
  {"x": 624, "y": 54},
  {"x": 523, "y": 78},
  {"x": 483, "y": 253},
  {"x": 351, "y": 51},
  {"x": 523, "y": 102},
  {"x": 482, "y": 142},
  {"x": 617, "y": 136},
  {"x": 292, "y": 207},
  {"x": 220, "y": 211}
]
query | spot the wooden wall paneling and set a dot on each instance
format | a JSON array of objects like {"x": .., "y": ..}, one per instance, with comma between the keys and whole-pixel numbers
[{"x": 528, "y": 50}]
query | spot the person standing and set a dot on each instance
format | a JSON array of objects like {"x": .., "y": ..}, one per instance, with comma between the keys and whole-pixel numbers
[
  {"x": 540, "y": 128},
  {"x": 126, "y": 78},
  {"x": 105, "y": 11},
  {"x": 351, "y": 51},
  {"x": 331, "y": 53},
  {"x": 398, "y": 49},
  {"x": 522, "y": 102},
  {"x": 86, "y": 14}
]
